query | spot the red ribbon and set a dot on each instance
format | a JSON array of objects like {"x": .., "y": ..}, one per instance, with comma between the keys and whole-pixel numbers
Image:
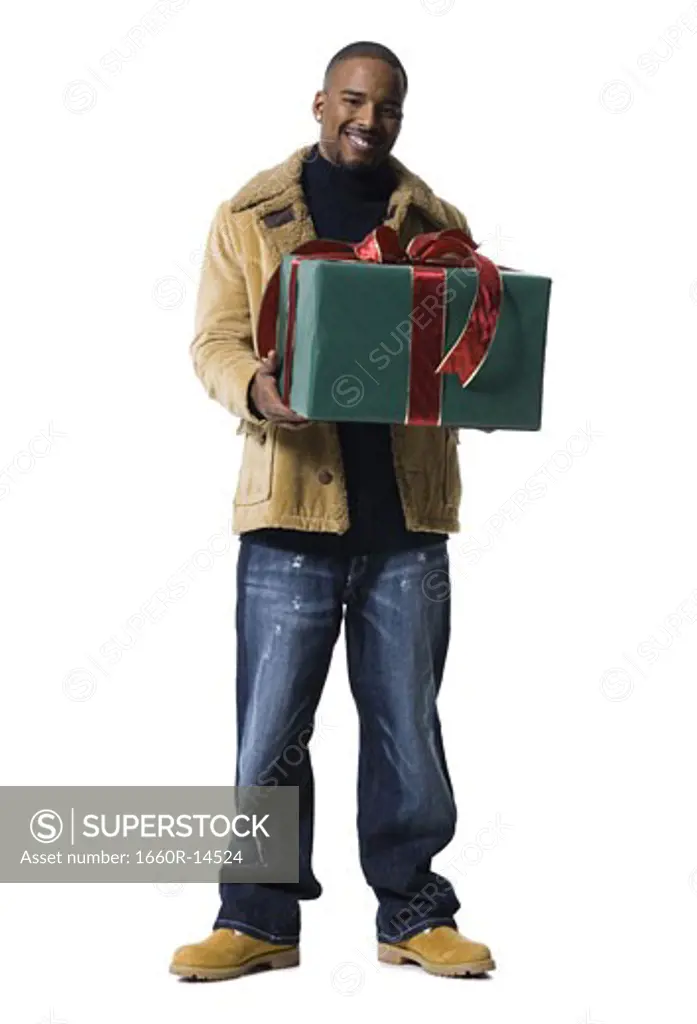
[{"x": 428, "y": 255}]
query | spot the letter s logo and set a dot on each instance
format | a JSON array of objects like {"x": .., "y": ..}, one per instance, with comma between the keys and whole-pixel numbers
[{"x": 46, "y": 826}]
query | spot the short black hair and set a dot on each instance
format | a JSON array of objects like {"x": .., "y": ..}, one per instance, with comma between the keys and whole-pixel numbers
[{"x": 366, "y": 49}]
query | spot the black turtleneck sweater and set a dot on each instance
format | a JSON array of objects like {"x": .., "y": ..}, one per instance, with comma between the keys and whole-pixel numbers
[{"x": 346, "y": 204}]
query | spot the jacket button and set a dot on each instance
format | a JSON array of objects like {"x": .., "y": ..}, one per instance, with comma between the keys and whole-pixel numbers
[{"x": 325, "y": 476}]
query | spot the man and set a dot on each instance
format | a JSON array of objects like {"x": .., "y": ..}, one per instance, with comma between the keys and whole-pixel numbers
[{"x": 335, "y": 517}]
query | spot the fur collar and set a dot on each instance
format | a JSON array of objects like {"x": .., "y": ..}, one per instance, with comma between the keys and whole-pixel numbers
[{"x": 279, "y": 187}]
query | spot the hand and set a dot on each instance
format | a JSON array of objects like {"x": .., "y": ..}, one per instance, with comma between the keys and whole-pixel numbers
[{"x": 266, "y": 397}]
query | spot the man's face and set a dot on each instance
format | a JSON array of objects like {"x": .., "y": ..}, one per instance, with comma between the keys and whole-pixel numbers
[{"x": 360, "y": 112}]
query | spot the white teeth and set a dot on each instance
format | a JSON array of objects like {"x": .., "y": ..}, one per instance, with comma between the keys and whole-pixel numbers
[{"x": 358, "y": 141}]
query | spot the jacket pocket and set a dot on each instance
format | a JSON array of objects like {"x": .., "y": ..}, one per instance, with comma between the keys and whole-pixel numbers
[{"x": 256, "y": 472}]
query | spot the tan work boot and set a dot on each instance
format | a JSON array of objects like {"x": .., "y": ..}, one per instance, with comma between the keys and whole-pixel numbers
[
  {"x": 440, "y": 950},
  {"x": 228, "y": 953}
]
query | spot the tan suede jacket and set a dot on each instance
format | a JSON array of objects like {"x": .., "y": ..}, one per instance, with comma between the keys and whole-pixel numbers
[{"x": 294, "y": 478}]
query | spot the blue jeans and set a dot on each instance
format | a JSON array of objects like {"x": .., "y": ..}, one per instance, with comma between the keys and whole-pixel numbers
[{"x": 289, "y": 612}]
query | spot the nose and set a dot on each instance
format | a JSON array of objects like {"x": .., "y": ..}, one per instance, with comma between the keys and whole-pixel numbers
[{"x": 368, "y": 117}]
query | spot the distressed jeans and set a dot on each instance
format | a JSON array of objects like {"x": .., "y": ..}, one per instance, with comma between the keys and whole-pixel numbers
[{"x": 397, "y": 624}]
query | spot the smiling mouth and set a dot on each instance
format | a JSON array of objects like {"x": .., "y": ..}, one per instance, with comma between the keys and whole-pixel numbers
[{"x": 360, "y": 142}]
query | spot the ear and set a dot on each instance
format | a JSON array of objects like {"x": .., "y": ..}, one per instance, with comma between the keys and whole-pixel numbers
[{"x": 318, "y": 105}]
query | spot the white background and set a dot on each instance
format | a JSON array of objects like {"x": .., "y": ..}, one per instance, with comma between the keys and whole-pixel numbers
[{"x": 565, "y": 133}]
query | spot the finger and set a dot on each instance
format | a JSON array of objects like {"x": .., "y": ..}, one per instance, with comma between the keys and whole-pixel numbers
[
  {"x": 292, "y": 417},
  {"x": 293, "y": 426},
  {"x": 295, "y": 420},
  {"x": 276, "y": 409},
  {"x": 281, "y": 413}
]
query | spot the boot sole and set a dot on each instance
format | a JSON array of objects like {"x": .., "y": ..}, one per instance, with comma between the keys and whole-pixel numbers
[
  {"x": 286, "y": 958},
  {"x": 391, "y": 955}
]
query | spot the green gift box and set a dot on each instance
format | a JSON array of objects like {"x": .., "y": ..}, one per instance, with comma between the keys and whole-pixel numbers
[{"x": 374, "y": 334}]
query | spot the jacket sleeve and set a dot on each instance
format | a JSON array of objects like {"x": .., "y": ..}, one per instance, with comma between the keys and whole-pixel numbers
[
  {"x": 223, "y": 350},
  {"x": 455, "y": 217}
]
